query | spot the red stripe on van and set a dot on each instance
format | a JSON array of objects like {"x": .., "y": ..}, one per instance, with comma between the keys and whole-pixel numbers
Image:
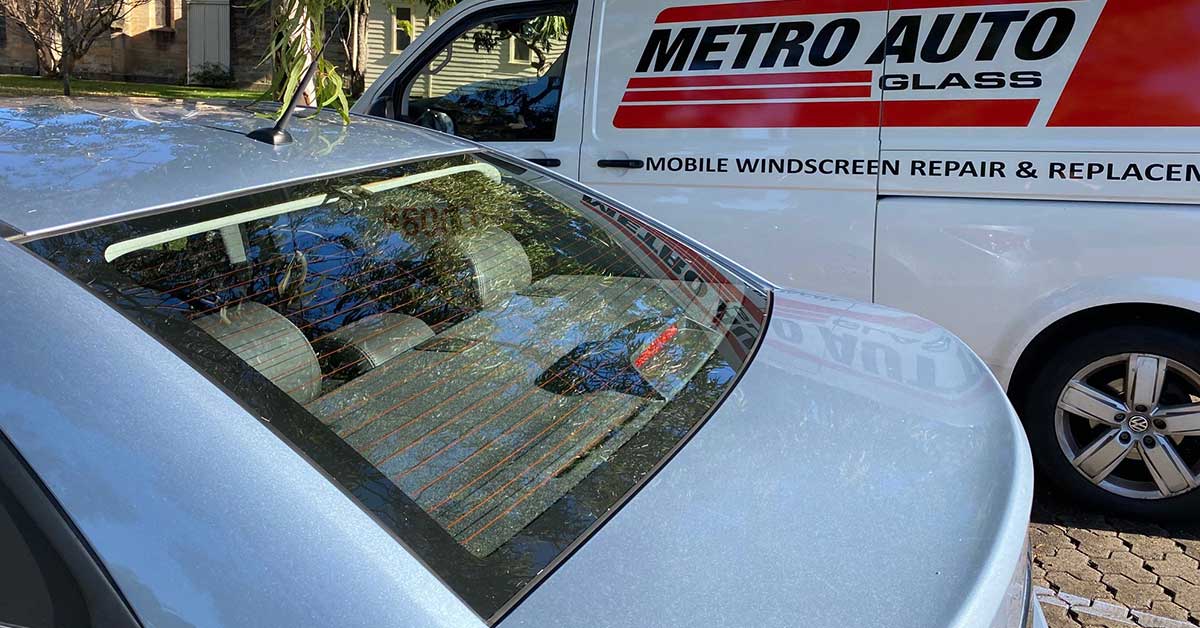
[
  {"x": 767, "y": 8},
  {"x": 859, "y": 113},
  {"x": 780, "y": 8},
  {"x": 958, "y": 113},
  {"x": 1140, "y": 68},
  {"x": 862, "y": 113},
  {"x": 901, "y": 5},
  {"x": 772, "y": 78},
  {"x": 840, "y": 91}
]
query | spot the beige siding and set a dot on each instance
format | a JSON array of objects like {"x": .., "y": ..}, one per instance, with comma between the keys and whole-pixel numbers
[
  {"x": 468, "y": 65},
  {"x": 381, "y": 39}
]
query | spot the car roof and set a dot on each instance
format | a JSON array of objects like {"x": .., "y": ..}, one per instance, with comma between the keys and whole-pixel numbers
[{"x": 67, "y": 162}]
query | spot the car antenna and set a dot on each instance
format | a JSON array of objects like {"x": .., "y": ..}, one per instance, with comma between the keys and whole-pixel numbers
[{"x": 278, "y": 135}]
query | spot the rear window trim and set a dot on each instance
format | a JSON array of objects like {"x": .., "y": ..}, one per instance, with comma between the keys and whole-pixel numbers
[
  {"x": 119, "y": 249},
  {"x": 137, "y": 214},
  {"x": 295, "y": 412}
]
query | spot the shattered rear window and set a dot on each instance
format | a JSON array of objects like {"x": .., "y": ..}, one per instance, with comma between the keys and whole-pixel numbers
[{"x": 484, "y": 357}]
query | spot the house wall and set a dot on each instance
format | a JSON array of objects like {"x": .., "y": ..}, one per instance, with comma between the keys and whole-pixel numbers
[
  {"x": 142, "y": 50},
  {"x": 249, "y": 40},
  {"x": 468, "y": 65},
  {"x": 138, "y": 51},
  {"x": 381, "y": 24},
  {"x": 17, "y": 54},
  {"x": 208, "y": 31}
]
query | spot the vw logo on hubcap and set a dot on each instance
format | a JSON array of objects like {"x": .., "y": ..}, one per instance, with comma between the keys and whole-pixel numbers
[{"x": 1139, "y": 423}]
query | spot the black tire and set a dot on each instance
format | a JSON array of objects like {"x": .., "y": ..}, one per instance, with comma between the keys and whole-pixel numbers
[{"x": 1039, "y": 403}]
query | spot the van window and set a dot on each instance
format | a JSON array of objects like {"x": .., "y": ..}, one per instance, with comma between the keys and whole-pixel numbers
[
  {"x": 486, "y": 358},
  {"x": 499, "y": 80}
]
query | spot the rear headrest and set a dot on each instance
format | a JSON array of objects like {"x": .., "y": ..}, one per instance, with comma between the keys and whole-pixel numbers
[
  {"x": 271, "y": 344},
  {"x": 369, "y": 342},
  {"x": 497, "y": 263}
]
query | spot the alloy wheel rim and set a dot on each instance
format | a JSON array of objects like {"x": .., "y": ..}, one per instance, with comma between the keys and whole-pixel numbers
[{"x": 1130, "y": 423}]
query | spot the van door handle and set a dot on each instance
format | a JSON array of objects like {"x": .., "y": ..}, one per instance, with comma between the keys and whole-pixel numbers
[
  {"x": 549, "y": 162},
  {"x": 621, "y": 163}
]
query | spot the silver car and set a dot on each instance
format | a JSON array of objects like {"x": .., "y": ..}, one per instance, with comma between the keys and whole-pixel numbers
[{"x": 384, "y": 377}]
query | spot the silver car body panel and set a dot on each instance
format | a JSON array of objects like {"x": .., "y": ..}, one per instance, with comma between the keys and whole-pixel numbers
[{"x": 866, "y": 470}]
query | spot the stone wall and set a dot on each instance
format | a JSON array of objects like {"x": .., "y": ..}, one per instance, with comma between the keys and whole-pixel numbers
[
  {"x": 138, "y": 51},
  {"x": 251, "y": 37},
  {"x": 17, "y": 55},
  {"x": 249, "y": 40},
  {"x": 148, "y": 50}
]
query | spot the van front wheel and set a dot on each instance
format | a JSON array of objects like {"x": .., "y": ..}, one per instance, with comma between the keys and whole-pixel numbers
[{"x": 1114, "y": 420}]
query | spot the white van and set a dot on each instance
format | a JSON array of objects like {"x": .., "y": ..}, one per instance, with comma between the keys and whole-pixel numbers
[{"x": 1025, "y": 173}]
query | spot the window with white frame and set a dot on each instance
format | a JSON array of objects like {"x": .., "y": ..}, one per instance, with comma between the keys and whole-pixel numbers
[
  {"x": 518, "y": 51},
  {"x": 401, "y": 25}
]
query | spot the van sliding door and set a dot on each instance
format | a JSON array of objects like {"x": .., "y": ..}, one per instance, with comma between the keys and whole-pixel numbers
[{"x": 752, "y": 127}]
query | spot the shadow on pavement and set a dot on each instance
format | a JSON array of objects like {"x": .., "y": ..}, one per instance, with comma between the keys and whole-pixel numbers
[{"x": 1056, "y": 509}]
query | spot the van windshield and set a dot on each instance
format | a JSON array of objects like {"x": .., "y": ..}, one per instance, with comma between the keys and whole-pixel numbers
[{"x": 487, "y": 359}]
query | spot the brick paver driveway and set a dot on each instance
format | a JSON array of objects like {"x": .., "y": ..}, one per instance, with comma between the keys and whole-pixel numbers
[{"x": 1093, "y": 570}]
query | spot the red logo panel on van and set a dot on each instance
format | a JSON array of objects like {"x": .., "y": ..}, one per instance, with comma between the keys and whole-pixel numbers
[
  {"x": 1140, "y": 68},
  {"x": 808, "y": 64}
]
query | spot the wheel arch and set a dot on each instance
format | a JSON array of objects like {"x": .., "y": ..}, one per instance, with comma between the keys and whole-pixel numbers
[{"x": 1086, "y": 320}]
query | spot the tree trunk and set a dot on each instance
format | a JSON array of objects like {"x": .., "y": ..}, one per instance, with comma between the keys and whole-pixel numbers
[
  {"x": 293, "y": 28},
  {"x": 304, "y": 32},
  {"x": 67, "y": 59},
  {"x": 358, "y": 48},
  {"x": 48, "y": 60},
  {"x": 68, "y": 65}
]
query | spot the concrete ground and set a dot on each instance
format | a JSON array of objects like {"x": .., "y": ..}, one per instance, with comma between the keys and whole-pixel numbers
[{"x": 1092, "y": 570}]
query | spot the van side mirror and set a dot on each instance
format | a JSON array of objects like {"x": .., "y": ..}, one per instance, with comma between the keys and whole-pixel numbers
[{"x": 436, "y": 120}]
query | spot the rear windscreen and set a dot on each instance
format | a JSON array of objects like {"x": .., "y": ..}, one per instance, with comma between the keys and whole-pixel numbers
[{"x": 484, "y": 357}]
